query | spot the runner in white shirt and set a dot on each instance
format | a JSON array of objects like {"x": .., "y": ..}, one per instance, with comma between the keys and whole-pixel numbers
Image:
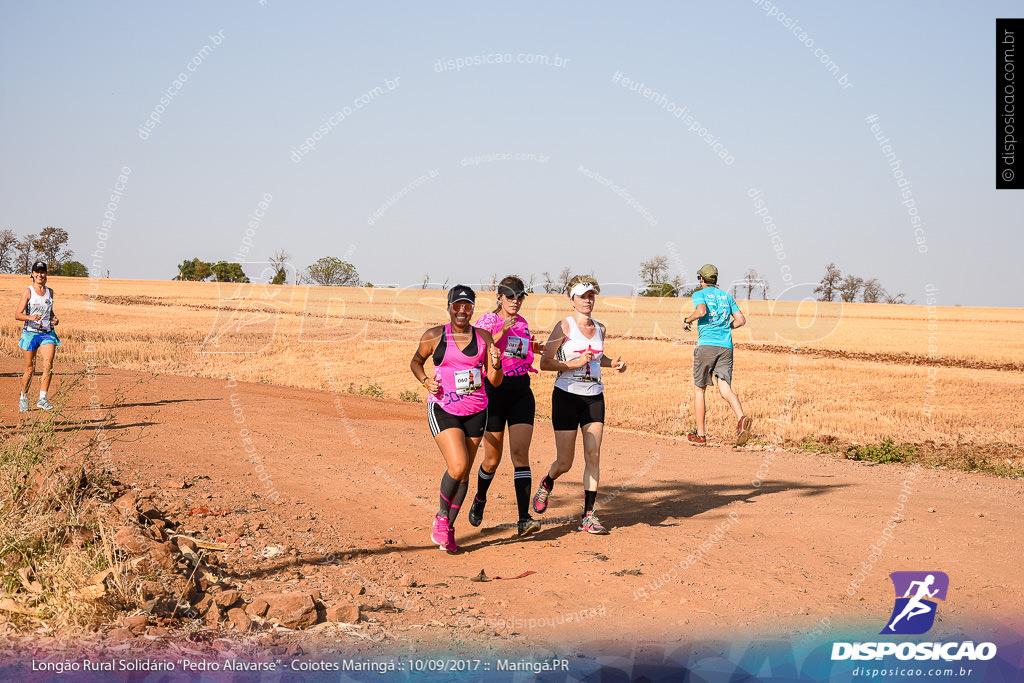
[
  {"x": 35, "y": 310},
  {"x": 576, "y": 350}
]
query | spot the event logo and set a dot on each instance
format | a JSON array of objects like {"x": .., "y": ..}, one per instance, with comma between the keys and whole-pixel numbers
[{"x": 916, "y": 601}]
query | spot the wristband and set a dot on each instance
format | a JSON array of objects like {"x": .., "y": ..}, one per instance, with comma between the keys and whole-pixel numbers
[{"x": 423, "y": 382}]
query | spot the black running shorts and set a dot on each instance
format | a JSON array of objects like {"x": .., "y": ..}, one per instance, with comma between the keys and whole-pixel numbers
[
  {"x": 471, "y": 425},
  {"x": 511, "y": 403},
  {"x": 572, "y": 411}
]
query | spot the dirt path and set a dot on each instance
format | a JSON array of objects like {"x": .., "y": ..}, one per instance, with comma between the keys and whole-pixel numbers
[{"x": 356, "y": 478}]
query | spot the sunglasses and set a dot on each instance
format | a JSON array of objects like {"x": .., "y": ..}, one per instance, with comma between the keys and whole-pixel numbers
[{"x": 509, "y": 294}]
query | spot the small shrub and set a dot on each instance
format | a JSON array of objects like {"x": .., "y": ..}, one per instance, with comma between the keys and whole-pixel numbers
[{"x": 885, "y": 452}]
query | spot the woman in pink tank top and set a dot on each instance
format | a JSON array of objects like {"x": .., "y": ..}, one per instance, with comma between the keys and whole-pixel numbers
[{"x": 457, "y": 403}]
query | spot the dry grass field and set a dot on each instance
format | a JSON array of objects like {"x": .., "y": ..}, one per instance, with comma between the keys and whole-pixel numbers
[{"x": 828, "y": 373}]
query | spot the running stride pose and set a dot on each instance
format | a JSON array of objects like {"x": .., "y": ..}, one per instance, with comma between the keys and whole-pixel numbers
[
  {"x": 576, "y": 350},
  {"x": 717, "y": 315},
  {"x": 511, "y": 403},
  {"x": 457, "y": 405},
  {"x": 36, "y": 310}
]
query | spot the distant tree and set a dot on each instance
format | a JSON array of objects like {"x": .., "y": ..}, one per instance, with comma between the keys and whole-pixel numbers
[
  {"x": 494, "y": 281},
  {"x": 194, "y": 271},
  {"x": 530, "y": 283},
  {"x": 278, "y": 262},
  {"x": 765, "y": 286},
  {"x": 72, "y": 269},
  {"x": 677, "y": 285},
  {"x": 563, "y": 280},
  {"x": 24, "y": 254},
  {"x": 228, "y": 272},
  {"x": 898, "y": 298},
  {"x": 654, "y": 271},
  {"x": 829, "y": 284},
  {"x": 687, "y": 292},
  {"x": 8, "y": 250},
  {"x": 751, "y": 281},
  {"x": 850, "y": 287},
  {"x": 426, "y": 281},
  {"x": 665, "y": 289},
  {"x": 872, "y": 291},
  {"x": 332, "y": 271},
  {"x": 550, "y": 286},
  {"x": 50, "y": 247}
]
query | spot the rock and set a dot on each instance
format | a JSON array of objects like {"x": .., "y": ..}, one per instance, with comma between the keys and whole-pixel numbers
[
  {"x": 161, "y": 555},
  {"x": 212, "y": 618},
  {"x": 343, "y": 614},
  {"x": 186, "y": 542},
  {"x": 227, "y": 599},
  {"x": 163, "y": 606},
  {"x": 120, "y": 634},
  {"x": 158, "y": 631},
  {"x": 136, "y": 623},
  {"x": 257, "y": 607},
  {"x": 150, "y": 589},
  {"x": 131, "y": 539},
  {"x": 125, "y": 505},
  {"x": 409, "y": 581},
  {"x": 291, "y": 610},
  {"x": 239, "y": 619},
  {"x": 356, "y": 589},
  {"x": 184, "y": 588}
]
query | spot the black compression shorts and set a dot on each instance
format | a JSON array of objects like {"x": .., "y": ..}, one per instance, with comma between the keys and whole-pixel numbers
[
  {"x": 471, "y": 425},
  {"x": 572, "y": 411},
  {"x": 510, "y": 403}
]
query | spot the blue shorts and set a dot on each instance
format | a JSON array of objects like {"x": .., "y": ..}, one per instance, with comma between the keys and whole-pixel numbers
[{"x": 30, "y": 341}]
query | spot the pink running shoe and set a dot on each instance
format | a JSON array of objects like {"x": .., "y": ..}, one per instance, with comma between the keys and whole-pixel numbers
[
  {"x": 440, "y": 533},
  {"x": 450, "y": 547},
  {"x": 540, "y": 499}
]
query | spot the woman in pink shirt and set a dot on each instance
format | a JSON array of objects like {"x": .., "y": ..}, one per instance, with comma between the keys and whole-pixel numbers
[
  {"x": 457, "y": 404},
  {"x": 510, "y": 404}
]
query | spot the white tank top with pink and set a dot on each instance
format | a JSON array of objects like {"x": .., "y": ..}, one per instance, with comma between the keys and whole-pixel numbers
[{"x": 586, "y": 380}]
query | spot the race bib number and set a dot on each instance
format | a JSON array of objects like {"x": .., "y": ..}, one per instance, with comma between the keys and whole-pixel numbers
[
  {"x": 468, "y": 381},
  {"x": 583, "y": 374},
  {"x": 516, "y": 348}
]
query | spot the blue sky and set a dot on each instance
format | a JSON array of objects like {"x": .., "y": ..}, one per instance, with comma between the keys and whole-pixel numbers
[{"x": 80, "y": 79}]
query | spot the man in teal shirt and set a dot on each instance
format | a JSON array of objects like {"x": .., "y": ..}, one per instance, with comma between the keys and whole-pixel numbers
[{"x": 717, "y": 315}]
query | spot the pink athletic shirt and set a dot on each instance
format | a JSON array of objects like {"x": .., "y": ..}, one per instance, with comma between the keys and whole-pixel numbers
[
  {"x": 515, "y": 347},
  {"x": 461, "y": 378}
]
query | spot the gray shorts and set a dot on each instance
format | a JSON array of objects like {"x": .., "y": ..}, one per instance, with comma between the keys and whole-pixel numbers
[{"x": 711, "y": 360}]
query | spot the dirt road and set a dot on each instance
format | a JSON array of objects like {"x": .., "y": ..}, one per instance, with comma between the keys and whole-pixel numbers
[{"x": 704, "y": 540}]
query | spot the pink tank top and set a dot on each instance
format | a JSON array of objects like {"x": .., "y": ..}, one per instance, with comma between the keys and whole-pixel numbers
[
  {"x": 515, "y": 347},
  {"x": 461, "y": 378}
]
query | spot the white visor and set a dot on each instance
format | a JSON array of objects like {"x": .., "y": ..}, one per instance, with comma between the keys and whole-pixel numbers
[{"x": 580, "y": 289}]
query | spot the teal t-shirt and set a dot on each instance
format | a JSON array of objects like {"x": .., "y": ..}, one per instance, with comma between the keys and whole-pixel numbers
[{"x": 715, "y": 327}]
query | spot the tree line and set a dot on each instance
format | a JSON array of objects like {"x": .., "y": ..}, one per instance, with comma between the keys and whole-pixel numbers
[{"x": 17, "y": 254}]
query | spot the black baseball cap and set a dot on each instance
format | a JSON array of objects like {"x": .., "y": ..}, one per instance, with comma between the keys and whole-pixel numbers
[
  {"x": 509, "y": 292},
  {"x": 461, "y": 293},
  {"x": 39, "y": 266}
]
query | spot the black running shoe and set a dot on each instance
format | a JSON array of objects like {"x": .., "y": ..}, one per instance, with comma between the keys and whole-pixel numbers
[{"x": 476, "y": 512}]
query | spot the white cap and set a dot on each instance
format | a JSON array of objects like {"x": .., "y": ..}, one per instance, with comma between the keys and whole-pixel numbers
[{"x": 581, "y": 288}]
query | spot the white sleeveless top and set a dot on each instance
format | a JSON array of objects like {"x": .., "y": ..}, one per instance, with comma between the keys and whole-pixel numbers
[
  {"x": 586, "y": 380},
  {"x": 39, "y": 304}
]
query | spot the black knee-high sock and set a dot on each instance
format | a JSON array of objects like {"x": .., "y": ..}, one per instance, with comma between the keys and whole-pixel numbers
[
  {"x": 483, "y": 482},
  {"x": 524, "y": 484},
  {"x": 449, "y": 486},
  {"x": 460, "y": 495},
  {"x": 589, "y": 498}
]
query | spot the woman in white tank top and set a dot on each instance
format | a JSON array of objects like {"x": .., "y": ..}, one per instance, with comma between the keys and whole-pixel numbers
[
  {"x": 576, "y": 350},
  {"x": 35, "y": 310}
]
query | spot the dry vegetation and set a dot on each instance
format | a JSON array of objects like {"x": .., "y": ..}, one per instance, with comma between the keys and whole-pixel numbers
[{"x": 861, "y": 373}]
